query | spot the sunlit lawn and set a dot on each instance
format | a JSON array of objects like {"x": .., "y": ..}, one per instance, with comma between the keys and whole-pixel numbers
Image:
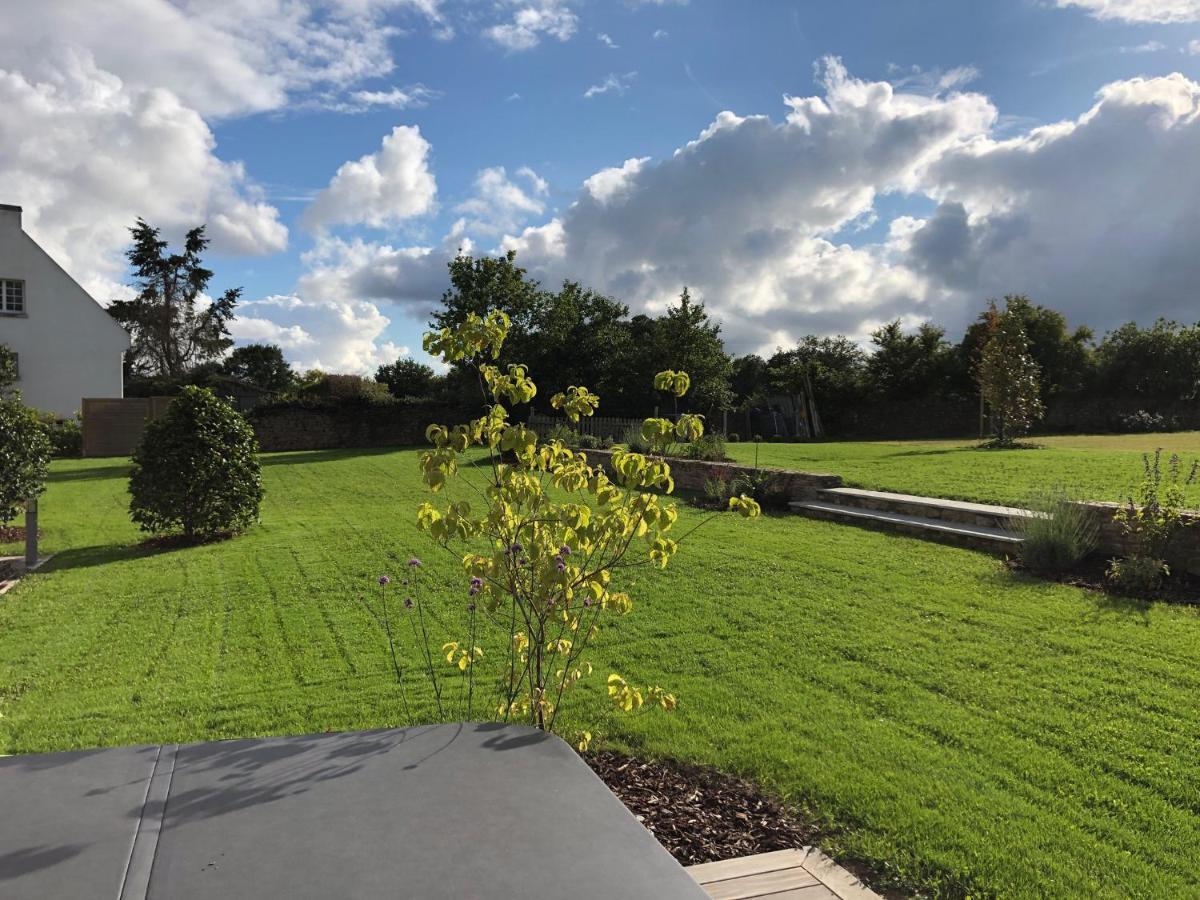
[
  {"x": 966, "y": 730},
  {"x": 1095, "y": 467}
]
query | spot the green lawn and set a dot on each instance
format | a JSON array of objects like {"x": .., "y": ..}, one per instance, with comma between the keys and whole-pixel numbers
[
  {"x": 967, "y": 730},
  {"x": 1095, "y": 467}
]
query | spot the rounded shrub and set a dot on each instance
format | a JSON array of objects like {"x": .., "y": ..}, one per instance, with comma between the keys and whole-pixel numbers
[
  {"x": 24, "y": 456},
  {"x": 196, "y": 470}
]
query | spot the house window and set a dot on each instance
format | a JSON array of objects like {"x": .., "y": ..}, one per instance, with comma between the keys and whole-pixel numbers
[{"x": 12, "y": 296}]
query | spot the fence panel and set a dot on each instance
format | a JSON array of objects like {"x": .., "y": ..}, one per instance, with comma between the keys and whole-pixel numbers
[
  {"x": 598, "y": 426},
  {"x": 113, "y": 426}
]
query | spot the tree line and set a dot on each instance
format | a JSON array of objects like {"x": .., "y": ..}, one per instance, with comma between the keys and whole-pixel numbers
[{"x": 575, "y": 335}]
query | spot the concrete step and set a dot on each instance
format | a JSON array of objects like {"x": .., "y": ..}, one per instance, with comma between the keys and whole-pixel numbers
[
  {"x": 978, "y": 537},
  {"x": 951, "y": 511}
]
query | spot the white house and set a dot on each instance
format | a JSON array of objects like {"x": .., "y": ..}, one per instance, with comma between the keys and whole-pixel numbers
[{"x": 67, "y": 346}]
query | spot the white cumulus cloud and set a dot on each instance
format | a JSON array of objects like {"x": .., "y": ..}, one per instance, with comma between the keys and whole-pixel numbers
[
  {"x": 85, "y": 154},
  {"x": 331, "y": 333},
  {"x": 379, "y": 189},
  {"x": 500, "y": 204},
  {"x": 219, "y": 57},
  {"x": 533, "y": 21},
  {"x": 1156, "y": 11}
]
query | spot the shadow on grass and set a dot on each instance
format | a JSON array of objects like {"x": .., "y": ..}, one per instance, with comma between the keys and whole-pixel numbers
[
  {"x": 316, "y": 456},
  {"x": 942, "y": 451},
  {"x": 103, "y": 554},
  {"x": 1099, "y": 601},
  {"x": 1129, "y": 606},
  {"x": 92, "y": 473}
]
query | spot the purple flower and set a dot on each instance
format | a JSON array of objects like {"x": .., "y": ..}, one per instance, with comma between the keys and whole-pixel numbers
[
  {"x": 476, "y": 581},
  {"x": 587, "y": 601},
  {"x": 562, "y": 566},
  {"x": 408, "y": 603},
  {"x": 383, "y": 579},
  {"x": 414, "y": 563},
  {"x": 522, "y": 561},
  {"x": 470, "y": 607},
  {"x": 564, "y": 550}
]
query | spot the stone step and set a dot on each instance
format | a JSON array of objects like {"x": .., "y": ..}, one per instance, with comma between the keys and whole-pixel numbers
[
  {"x": 977, "y": 537},
  {"x": 953, "y": 511}
]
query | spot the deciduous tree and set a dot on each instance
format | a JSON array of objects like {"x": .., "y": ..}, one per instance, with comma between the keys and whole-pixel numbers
[
  {"x": 1008, "y": 378},
  {"x": 262, "y": 365},
  {"x": 407, "y": 378}
]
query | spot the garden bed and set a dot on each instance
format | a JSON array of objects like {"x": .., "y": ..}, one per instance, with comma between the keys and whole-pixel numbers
[
  {"x": 13, "y": 534},
  {"x": 1179, "y": 587},
  {"x": 701, "y": 815}
]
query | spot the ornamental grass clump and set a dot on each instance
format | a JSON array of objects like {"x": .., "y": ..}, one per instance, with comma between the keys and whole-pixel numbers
[
  {"x": 1059, "y": 535},
  {"x": 544, "y": 571}
]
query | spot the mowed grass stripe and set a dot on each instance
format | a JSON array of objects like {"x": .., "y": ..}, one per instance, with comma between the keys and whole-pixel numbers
[
  {"x": 1096, "y": 467},
  {"x": 970, "y": 730}
]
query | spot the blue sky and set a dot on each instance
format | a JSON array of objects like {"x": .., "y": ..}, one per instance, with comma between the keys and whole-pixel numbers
[{"x": 252, "y": 136}]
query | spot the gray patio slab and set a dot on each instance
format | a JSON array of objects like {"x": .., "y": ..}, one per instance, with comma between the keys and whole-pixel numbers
[{"x": 470, "y": 810}]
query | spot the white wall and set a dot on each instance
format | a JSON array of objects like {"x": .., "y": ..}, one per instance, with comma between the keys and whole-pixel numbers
[{"x": 68, "y": 347}]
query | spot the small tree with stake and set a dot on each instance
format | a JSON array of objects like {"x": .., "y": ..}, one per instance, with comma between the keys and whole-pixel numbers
[
  {"x": 1008, "y": 378},
  {"x": 543, "y": 570}
]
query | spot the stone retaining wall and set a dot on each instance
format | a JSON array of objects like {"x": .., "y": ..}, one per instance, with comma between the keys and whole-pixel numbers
[
  {"x": 1184, "y": 554},
  {"x": 782, "y": 486}
]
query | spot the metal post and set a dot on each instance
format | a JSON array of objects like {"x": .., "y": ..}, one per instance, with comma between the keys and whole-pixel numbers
[{"x": 31, "y": 529}]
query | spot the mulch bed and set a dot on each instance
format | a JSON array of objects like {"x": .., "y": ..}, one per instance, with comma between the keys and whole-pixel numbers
[
  {"x": 698, "y": 814},
  {"x": 1179, "y": 587},
  {"x": 701, "y": 815},
  {"x": 12, "y": 534}
]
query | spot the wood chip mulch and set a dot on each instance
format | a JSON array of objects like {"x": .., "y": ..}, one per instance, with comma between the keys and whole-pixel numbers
[
  {"x": 701, "y": 815},
  {"x": 698, "y": 814},
  {"x": 11, "y": 534}
]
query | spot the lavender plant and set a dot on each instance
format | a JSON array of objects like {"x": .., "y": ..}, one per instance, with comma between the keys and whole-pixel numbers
[{"x": 543, "y": 571}]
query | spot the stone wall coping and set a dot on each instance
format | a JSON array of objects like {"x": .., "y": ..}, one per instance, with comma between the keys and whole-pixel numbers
[{"x": 726, "y": 463}]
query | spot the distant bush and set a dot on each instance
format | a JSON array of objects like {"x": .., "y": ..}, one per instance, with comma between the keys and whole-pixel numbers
[
  {"x": 591, "y": 442},
  {"x": 352, "y": 388},
  {"x": 24, "y": 456},
  {"x": 1143, "y": 422},
  {"x": 733, "y": 437},
  {"x": 635, "y": 442},
  {"x": 755, "y": 485},
  {"x": 1058, "y": 535},
  {"x": 196, "y": 469},
  {"x": 717, "y": 486},
  {"x": 66, "y": 435},
  {"x": 710, "y": 447},
  {"x": 1137, "y": 576},
  {"x": 564, "y": 433}
]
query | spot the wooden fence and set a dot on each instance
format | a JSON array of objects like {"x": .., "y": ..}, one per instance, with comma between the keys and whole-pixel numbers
[
  {"x": 113, "y": 426},
  {"x": 597, "y": 426}
]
